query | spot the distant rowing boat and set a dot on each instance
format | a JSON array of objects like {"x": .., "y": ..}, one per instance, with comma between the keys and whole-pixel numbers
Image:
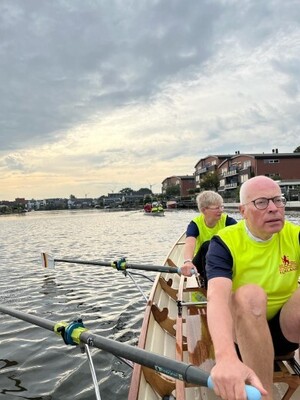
[
  {"x": 171, "y": 204},
  {"x": 155, "y": 209}
]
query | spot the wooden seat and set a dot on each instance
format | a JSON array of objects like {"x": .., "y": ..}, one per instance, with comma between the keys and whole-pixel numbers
[{"x": 287, "y": 371}]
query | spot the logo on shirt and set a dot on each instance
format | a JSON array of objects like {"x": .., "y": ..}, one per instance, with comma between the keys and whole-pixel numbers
[{"x": 287, "y": 265}]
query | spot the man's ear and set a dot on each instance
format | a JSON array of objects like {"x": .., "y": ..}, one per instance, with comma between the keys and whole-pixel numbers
[{"x": 242, "y": 211}]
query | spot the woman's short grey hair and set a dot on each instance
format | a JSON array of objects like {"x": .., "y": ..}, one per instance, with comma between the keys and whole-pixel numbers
[{"x": 208, "y": 198}]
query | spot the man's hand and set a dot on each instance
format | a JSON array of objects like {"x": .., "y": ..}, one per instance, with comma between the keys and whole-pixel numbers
[
  {"x": 230, "y": 376},
  {"x": 188, "y": 268}
]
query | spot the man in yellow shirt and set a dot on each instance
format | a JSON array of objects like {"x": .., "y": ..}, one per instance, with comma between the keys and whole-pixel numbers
[{"x": 253, "y": 294}]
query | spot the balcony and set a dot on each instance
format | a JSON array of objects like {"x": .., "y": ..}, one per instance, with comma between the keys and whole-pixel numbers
[
  {"x": 231, "y": 186},
  {"x": 230, "y": 173},
  {"x": 201, "y": 170}
]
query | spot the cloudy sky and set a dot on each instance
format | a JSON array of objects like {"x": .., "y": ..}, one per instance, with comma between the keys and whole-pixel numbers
[{"x": 99, "y": 95}]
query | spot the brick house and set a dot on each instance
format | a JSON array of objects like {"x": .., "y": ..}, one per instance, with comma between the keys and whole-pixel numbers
[
  {"x": 184, "y": 183},
  {"x": 235, "y": 169}
]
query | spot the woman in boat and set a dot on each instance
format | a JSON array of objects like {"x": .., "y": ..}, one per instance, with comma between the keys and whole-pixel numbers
[
  {"x": 201, "y": 229},
  {"x": 147, "y": 207},
  {"x": 156, "y": 207},
  {"x": 253, "y": 294}
]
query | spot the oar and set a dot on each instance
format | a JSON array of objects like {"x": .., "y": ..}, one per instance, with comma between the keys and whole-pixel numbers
[
  {"x": 49, "y": 262},
  {"x": 75, "y": 333}
]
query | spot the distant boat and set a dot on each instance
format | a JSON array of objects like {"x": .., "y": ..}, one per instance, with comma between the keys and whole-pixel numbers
[
  {"x": 155, "y": 209},
  {"x": 171, "y": 204}
]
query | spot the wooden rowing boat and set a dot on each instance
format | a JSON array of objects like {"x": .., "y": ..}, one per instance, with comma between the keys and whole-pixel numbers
[
  {"x": 174, "y": 347},
  {"x": 155, "y": 209},
  {"x": 174, "y": 330},
  {"x": 176, "y": 327}
]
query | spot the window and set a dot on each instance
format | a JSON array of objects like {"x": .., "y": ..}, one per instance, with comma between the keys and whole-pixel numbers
[
  {"x": 271, "y": 161},
  {"x": 244, "y": 178}
]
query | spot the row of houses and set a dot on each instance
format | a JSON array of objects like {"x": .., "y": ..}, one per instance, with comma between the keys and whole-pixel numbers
[
  {"x": 21, "y": 204},
  {"x": 230, "y": 169},
  {"x": 132, "y": 199},
  {"x": 234, "y": 169}
]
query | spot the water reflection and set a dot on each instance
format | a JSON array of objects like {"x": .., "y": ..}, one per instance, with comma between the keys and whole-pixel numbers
[
  {"x": 16, "y": 381},
  {"x": 49, "y": 286}
]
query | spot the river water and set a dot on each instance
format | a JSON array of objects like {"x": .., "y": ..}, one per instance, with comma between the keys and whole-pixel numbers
[{"x": 35, "y": 363}]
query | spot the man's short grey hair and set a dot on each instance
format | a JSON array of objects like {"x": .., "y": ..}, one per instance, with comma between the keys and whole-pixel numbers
[
  {"x": 208, "y": 198},
  {"x": 243, "y": 199}
]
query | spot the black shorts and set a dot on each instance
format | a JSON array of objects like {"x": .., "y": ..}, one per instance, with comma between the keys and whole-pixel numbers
[{"x": 281, "y": 345}]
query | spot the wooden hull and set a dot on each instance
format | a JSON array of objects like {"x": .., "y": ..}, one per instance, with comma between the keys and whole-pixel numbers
[
  {"x": 183, "y": 337},
  {"x": 181, "y": 334}
]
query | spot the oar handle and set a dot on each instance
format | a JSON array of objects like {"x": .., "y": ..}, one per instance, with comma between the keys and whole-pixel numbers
[
  {"x": 193, "y": 272},
  {"x": 251, "y": 391}
]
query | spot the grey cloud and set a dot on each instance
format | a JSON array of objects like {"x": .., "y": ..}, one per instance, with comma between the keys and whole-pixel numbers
[
  {"x": 63, "y": 61},
  {"x": 14, "y": 162},
  {"x": 289, "y": 67}
]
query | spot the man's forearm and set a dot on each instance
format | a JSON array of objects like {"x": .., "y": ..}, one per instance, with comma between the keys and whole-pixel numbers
[
  {"x": 219, "y": 317},
  {"x": 221, "y": 330}
]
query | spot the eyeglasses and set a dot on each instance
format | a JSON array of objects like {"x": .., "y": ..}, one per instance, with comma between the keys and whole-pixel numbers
[
  {"x": 221, "y": 208},
  {"x": 262, "y": 202}
]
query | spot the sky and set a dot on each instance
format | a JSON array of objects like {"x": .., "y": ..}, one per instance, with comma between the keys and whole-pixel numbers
[{"x": 101, "y": 95}]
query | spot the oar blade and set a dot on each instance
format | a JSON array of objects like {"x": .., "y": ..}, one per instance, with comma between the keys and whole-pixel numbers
[{"x": 47, "y": 261}]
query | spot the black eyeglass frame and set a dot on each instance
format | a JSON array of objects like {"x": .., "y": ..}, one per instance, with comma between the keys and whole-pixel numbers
[{"x": 274, "y": 199}]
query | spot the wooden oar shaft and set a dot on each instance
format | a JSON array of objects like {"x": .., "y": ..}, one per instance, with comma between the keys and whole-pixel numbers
[{"x": 145, "y": 267}]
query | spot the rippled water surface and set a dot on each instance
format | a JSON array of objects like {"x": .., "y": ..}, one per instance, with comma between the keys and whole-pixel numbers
[{"x": 35, "y": 363}]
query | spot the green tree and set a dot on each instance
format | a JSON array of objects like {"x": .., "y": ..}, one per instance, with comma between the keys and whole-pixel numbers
[
  {"x": 126, "y": 191},
  {"x": 147, "y": 198},
  {"x": 297, "y": 149},
  {"x": 210, "y": 182},
  {"x": 173, "y": 190},
  {"x": 144, "y": 191}
]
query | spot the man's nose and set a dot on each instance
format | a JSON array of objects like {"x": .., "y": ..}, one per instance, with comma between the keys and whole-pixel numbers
[{"x": 271, "y": 206}]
